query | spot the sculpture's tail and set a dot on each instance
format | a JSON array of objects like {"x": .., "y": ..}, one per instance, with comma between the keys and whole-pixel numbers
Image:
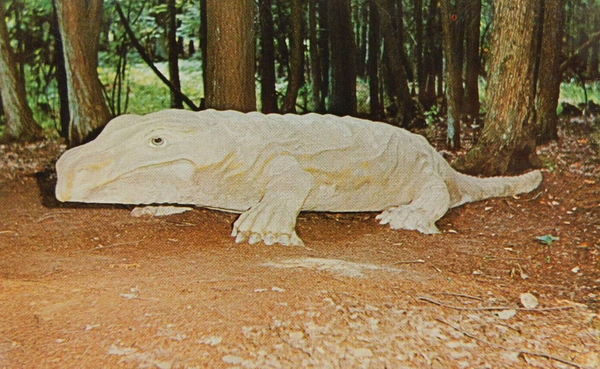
[{"x": 475, "y": 188}]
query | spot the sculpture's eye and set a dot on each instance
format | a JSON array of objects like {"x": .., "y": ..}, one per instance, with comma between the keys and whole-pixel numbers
[{"x": 157, "y": 141}]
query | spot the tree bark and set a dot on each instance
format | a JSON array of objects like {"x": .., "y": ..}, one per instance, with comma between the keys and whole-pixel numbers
[
  {"x": 173, "y": 51},
  {"x": 343, "y": 58},
  {"x": 61, "y": 75},
  {"x": 419, "y": 43},
  {"x": 549, "y": 75},
  {"x": 431, "y": 56},
  {"x": 230, "y": 49},
  {"x": 268, "y": 93},
  {"x": 373, "y": 61},
  {"x": 203, "y": 51},
  {"x": 20, "y": 124},
  {"x": 452, "y": 45},
  {"x": 79, "y": 23},
  {"x": 472, "y": 34},
  {"x": 361, "y": 16},
  {"x": 323, "y": 36},
  {"x": 315, "y": 58},
  {"x": 507, "y": 143},
  {"x": 397, "y": 80},
  {"x": 296, "y": 70}
]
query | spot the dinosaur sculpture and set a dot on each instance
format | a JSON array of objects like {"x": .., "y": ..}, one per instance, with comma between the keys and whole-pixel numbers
[{"x": 271, "y": 167}]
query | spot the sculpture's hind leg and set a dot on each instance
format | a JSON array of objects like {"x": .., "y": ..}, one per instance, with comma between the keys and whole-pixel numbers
[{"x": 429, "y": 204}]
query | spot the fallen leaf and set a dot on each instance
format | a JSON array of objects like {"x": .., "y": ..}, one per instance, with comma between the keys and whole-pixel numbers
[
  {"x": 506, "y": 314},
  {"x": 528, "y": 300},
  {"x": 547, "y": 239}
]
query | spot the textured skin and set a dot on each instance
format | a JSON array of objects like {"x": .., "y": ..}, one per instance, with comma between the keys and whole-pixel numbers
[{"x": 271, "y": 167}]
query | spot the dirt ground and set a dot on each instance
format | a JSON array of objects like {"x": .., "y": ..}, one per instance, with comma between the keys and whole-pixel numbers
[{"x": 85, "y": 286}]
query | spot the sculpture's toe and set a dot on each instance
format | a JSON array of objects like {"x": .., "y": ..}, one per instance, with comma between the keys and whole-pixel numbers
[{"x": 268, "y": 225}]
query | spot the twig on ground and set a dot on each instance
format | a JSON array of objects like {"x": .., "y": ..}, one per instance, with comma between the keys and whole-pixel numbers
[
  {"x": 51, "y": 215},
  {"x": 461, "y": 295},
  {"x": 521, "y": 352},
  {"x": 484, "y": 308},
  {"x": 417, "y": 261},
  {"x": 102, "y": 247},
  {"x": 536, "y": 196},
  {"x": 7, "y": 231}
]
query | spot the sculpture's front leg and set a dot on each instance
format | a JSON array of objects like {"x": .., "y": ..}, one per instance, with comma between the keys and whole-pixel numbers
[{"x": 273, "y": 219}]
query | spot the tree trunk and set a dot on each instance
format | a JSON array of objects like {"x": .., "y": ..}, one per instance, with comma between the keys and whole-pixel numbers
[
  {"x": 230, "y": 49},
  {"x": 315, "y": 58},
  {"x": 79, "y": 23},
  {"x": 173, "y": 51},
  {"x": 296, "y": 58},
  {"x": 20, "y": 124},
  {"x": 323, "y": 35},
  {"x": 419, "y": 43},
  {"x": 396, "y": 79},
  {"x": 397, "y": 9},
  {"x": 549, "y": 75},
  {"x": 507, "y": 143},
  {"x": 361, "y": 20},
  {"x": 373, "y": 61},
  {"x": 431, "y": 56},
  {"x": 268, "y": 93},
  {"x": 343, "y": 58},
  {"x": 203, "y": 53},
  {"x": 592, "y": 71},
  {"x": 452, "y": 45},
  {"x": 61, "y": 75},
  {"x": 472, "y": 34}
]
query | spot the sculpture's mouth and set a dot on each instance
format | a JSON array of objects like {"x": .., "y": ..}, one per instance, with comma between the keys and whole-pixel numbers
[{"x": 164, "y": 182}]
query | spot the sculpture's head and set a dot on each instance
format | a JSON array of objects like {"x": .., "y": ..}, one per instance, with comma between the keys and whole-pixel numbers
[{"x": 142, "y": 159}]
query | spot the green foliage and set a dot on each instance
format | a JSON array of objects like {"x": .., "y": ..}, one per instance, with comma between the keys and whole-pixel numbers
[
  {"x": 432, "y": 116},
  {"x": 573, "y": 92},
  {"x": 148, "y": 93}
]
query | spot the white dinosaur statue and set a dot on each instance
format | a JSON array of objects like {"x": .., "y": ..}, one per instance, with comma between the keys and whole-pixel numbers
[{"x": 271, "y": 167}]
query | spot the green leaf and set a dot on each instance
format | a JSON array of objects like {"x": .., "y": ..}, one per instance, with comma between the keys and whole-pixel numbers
[{"x": 547, "y": 239}]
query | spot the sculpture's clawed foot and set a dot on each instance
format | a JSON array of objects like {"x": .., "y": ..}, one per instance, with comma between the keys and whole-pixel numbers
[
  {"x": 267, "y": 223},
  {"x": 408, "y": 217}
]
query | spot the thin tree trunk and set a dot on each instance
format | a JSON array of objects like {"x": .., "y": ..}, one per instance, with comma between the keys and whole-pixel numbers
[
  {"x": 203, "y": 52},
  {"x": 472, "y": 34},
  {"x": 343, "y": 58},
  {"x": 452, "y": 45},
  {"x": 79, "y": 23},
  {"x": 230, "y": 49},
  {"x": 396, "y": 77},
  {"x": 419, "y": 43},
  {"x": 268, "y": 94},
  {"x": 397, "y": 8},
  {"x": 296, "y": 58},
  {"x": 323, "y": 35},
  {"x": 148, "y": 60},
  {"x": 428, "y": 96},
  {"x": 373, "y": 61},
  {"x": 173, "y": 51},
  {"x": 361, "y": 16},
  {"x": 507, "y": 143},
  {"x": 20, "y": 124},
  {"x": 61, "y": 76},
  {"x": 315, "y": 58},
  {"x": 549, "y": 76}
]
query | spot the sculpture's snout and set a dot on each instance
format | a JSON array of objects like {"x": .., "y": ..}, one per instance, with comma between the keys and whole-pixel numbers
[{"x": 78, "y": 173}]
